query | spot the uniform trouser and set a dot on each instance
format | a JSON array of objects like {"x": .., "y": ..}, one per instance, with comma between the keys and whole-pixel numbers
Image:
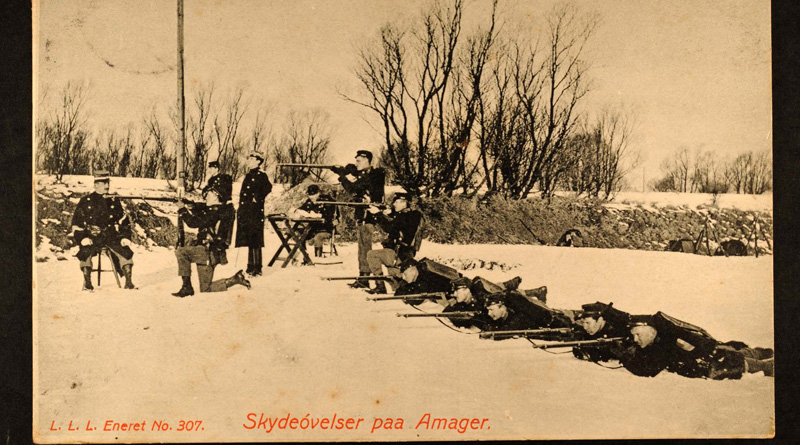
[
  {"x": 383, "y": 257},
  {"x": 254, "y": 257},
  {"x": 94, "y": 250},
  {"x": 205, "y": 270},
  {"x": 364, "y": 246},
  {"x": 320, "y": 238}
]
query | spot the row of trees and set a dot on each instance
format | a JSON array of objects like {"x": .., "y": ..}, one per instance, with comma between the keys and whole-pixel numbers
[
  {"x": 226, "y": 128},
  {"x": 706, "y": 172},
  {"x": 500, "y": 106}
]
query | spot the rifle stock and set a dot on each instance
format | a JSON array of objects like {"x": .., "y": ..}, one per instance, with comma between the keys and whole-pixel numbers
[
  {"x": 525, "y": 332},
  {"x": 570, "y": 344}
]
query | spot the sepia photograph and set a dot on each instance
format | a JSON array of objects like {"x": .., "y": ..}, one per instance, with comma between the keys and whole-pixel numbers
[{"x": 420, "y": 220}]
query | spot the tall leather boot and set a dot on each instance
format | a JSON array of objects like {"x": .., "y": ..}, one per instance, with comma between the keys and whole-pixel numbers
[
  {"x": 540, "y": 293},
  {"x": 754, "y": 365},
  {"x": 250, "y": 260},
  {"x": 127, "y": 270},
  {"x": 186, "y": 289},
  {"x": 256, "y": 262},
  {"x": 87, "y": 278},
  {"x": 512, "y": 284},
  {"x": 360, "y": 284},
  {"x": 380, "y": 288},
  {"x": 237, "y": 278}
]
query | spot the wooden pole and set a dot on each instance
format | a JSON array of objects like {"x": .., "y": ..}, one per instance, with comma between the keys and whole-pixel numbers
[{"x": 181, "y": 149}]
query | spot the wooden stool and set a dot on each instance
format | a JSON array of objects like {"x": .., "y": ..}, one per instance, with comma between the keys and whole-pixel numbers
[{"x": 100, "y": 270}]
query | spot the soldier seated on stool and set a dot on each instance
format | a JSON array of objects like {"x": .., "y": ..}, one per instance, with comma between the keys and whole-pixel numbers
[
  {"x": 311, "y": 208},
  {"x": 214, "y": 221},
  {"x": 401, "y": 224},
  {"x": 101, "y": 222}
]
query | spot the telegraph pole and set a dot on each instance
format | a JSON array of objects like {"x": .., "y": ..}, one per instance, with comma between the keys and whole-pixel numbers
[{"x": 181, "y": 149}]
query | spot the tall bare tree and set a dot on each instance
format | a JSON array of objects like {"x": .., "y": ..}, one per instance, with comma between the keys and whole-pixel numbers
[
  {"x": 306, "y": 139},
  {"x": 63, "y": 134},
  {"x": 226, "y": 133}
]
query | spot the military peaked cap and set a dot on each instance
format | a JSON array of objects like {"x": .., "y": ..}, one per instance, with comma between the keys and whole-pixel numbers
[
  {"x": 365, "y": 153},
  {"x": 101, "y": 175}
]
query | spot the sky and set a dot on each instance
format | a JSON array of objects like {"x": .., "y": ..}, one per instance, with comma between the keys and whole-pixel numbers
[{"x": 695, "y": 73}]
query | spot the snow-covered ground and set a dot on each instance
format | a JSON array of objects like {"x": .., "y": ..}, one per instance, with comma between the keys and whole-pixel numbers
[{"x": 296, "y": 345}]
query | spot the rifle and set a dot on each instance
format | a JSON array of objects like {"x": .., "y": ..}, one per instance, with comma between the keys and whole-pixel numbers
[
  {"x": 462, "y": 314},
  {"x": 338, "y": 169},
  {"x": 525, "y": 332},
  {"x": 420, "y": 296},
  {"x": 352, "y": 204},
  {"x": 569, "y": 344},
  {"x": 363, "y": 278},
  {"x": 150, "y": 198}
]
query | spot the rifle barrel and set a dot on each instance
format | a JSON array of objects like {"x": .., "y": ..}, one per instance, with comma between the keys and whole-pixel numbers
[
  {"x": 297, "y": 164},
  {"x": 569, "y": 344},
  {"x": 351, "y": 204},
  {"x": 439, "y": 315},
  {"x": 145, "y": 198},
  {"x": 365, "y": 278},
  {"x": 420, "y": 296},
  {"x": 525, "y": 332}
]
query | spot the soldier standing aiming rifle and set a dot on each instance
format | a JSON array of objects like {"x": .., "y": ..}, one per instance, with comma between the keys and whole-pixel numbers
[
  {"x": 365, "y": 186},
  {"x": 215, "y": 223},
  {"x": 250, "y": 221},
  {"x": 100, "y": 222}
]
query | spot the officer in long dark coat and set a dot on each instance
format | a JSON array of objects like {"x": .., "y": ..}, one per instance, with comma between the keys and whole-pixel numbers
[
  {"x": 367, "y": 186},
  {"x": 250, "y": 215},
  {"x": 100, "y": 221},
  {"x": 221, "y": 181}
]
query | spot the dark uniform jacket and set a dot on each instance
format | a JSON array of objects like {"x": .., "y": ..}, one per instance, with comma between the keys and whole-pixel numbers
[
  {"x": 223, "y": 183},
  {"x": 686, "y": 350},
  {"x": 327, "y": 212},
  {"x": 369, "y": 184},
  {"x": 618, "y": 324},
  {"x": 215, "y": 227},
  {"x": 105, "y": 222},
  {"x": 250, "y": 223},
  {"x": 401, "y": 227},
  {"x": 481, "y": 319}
]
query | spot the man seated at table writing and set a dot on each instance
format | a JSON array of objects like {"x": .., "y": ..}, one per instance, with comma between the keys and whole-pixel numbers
[{"x": 311, "y": 208}]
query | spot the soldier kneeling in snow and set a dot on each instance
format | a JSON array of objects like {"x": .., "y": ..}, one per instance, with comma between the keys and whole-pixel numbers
[
  {"x": 101, "y": 222},
  {"x": 664, "y": 342},
  {"x": 214, "y": 222}
]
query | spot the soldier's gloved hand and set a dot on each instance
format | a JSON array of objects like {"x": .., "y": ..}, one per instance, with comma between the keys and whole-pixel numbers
[
  {"x": 373, "y": 209},
  {"x": 125, "y": 242},
  {"x": 387, "y": 212},
  {"x": 350, "y": 178},
  {"x": 86, "y": 242}
]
